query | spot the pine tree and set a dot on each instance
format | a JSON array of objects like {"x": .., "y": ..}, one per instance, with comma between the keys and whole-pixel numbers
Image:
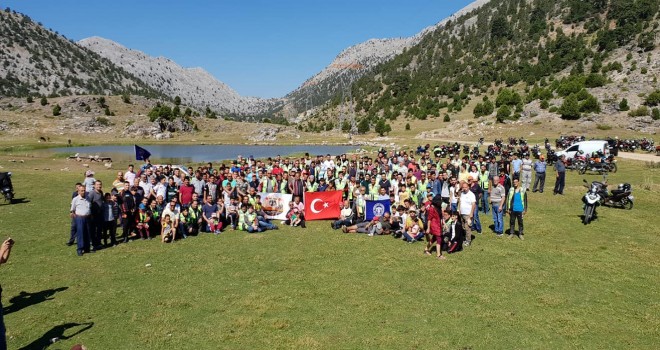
[
  {"x": 177, "y": 101},
  {"x": 44, "y": 101},
  {"x": 570, "y": 109},
  {"x": 623, "y": 105},
  {"x": 57, "y": 110},
  {"x": 363, "y": 126}
]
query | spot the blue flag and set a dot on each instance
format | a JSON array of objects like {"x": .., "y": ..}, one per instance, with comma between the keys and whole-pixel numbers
[
  {"x": 141, "y": 153},
  {"x": 377, "y": 208}
]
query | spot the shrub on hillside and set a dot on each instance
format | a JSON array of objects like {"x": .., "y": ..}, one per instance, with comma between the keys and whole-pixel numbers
[
  {"x": 639, "y": 112},
  {"x": 623, "y": 105},
  {"x": 57, "y": 110},
  {"x": 653, "y": 99}
]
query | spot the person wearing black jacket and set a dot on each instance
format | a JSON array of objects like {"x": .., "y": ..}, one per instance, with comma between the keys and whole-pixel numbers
[
  {"x": 454, "y": 234},
  {"x": 128, "y": 206},
  {"x": 95, "y": 198}
]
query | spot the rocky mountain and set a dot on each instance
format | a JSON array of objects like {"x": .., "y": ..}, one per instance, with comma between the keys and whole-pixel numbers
[
  {"x": 194, "y": 86},
  {"x": 354, "y": 62},
  {"x": 37, "y": 61}
]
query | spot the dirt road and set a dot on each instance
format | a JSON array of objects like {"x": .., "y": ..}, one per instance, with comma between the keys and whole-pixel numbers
[{"x": 645, "y": 157}]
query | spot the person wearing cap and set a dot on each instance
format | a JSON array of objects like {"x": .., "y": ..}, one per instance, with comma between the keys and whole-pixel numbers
[
  {"x": 80, "y": 212},
  {"x": 560, "y": 167},
  {"x": 142, "y": 221},
  {"x": 539, "y": 168},
  {"x": 526, "y": 172},
  {"x": 89, "y": 180}
]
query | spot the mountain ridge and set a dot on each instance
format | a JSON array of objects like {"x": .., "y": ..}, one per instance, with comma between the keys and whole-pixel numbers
[{"x": 195, "y": 86}]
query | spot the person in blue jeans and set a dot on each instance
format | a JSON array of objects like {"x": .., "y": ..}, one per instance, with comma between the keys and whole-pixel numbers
[
  {"x": 497, "y": 197},
  {"x": 484, "y": 176},
  {"x": 560, "y": 167},
  {"x": 478, "y": 193},
  {"x": 517, "y": 204}
]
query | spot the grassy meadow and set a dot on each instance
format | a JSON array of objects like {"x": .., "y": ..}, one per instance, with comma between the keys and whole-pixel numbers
[{"x": 565, "y": 286}]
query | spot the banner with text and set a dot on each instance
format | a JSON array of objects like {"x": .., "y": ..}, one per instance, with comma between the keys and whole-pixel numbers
[{"x": 275, "y": 205}]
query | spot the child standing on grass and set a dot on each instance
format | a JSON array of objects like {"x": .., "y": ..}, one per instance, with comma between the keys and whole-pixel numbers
[
  {"x": 167, "y": 230},
  {"x": 434, "y": 227}
]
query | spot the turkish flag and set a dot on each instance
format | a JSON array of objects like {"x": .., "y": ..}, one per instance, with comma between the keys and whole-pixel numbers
[{"x": 322, "y": 205}]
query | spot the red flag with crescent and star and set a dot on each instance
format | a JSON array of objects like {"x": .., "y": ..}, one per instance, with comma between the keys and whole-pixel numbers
[{"x": 322, "y": 205}]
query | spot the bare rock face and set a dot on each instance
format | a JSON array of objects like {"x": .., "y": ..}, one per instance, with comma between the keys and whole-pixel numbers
[
  {"x": 644, "y": 124},
  {"x": 194, "y": 86},
  {"x": 176, "y": 125},
  {"x": 265, "y": 134}
]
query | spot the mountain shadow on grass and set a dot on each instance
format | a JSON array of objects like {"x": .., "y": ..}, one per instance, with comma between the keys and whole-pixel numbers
[
  {"x": 25, "y": 299},
  {"x": 56, "y": 334}
]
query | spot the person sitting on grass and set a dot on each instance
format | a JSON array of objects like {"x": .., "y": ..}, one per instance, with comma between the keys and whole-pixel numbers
[
  {"x": 167, "y": 231},
  {"x": 249, "y": 220},
  {"x": 454, "y": 234},
  {"x": 345, "y": 217},
  {"x": 414, "y": 228},
  {"x": 215, "y": 225},
  {"x": 185, "y": 226},
  {"x": 295, "y": 217}
]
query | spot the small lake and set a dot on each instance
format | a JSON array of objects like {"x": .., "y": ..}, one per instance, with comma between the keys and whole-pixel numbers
[{"x": 202, "y": 153}]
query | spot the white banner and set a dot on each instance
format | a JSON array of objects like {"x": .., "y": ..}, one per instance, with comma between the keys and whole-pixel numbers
[{"x": 275, "y": 205}]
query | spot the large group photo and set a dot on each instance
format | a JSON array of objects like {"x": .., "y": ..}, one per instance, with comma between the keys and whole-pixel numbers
[{"x": 468, "y": 174}]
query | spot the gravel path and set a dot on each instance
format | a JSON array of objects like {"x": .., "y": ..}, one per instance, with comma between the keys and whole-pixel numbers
[{"x": 645, "y": 157}]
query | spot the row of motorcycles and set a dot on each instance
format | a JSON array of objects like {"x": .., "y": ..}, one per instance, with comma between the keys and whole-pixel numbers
[
  {"x": 597, "y": 195},
  {"x": 631, "y": 145},
  {"x": 6, "y": 187}
]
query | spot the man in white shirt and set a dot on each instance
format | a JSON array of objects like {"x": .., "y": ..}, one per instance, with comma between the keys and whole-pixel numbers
[
  {"x": 129, "y": 175},
  {"x": 467, "y": 203},
  {"x": 160, "y": 189}
]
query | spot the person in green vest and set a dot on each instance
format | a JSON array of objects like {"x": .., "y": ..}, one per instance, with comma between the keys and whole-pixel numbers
[
  {"x": 249, "y": 222},
  {"x": 484, "y": 182},
  {"x": 517, "y": 204}
]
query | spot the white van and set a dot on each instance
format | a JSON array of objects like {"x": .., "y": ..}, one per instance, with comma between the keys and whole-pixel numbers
[{"x": 588, "y": 147}]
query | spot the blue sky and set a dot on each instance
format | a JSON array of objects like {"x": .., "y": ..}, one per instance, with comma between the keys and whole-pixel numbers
[{"x": 259, "y": 47}]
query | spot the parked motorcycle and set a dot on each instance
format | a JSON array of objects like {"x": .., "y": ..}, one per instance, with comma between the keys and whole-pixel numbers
[
  {"x": 6, "y": 187},
  {"x": 620, "y": 198},
  {"x": 592, "y": 199},
  {"x": 607, "y": 166}
]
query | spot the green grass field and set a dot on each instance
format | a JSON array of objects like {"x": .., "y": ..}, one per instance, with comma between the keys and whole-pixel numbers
[{"x": 565, "y": 286}]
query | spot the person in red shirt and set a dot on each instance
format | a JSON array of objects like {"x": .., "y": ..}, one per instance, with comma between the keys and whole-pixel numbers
[
  {"x": 186, "y": 193},
  {"x": 434, "y": 227}
]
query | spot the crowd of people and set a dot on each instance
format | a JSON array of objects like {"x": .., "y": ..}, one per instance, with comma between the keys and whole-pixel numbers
[{"x": 435, "y": 199}]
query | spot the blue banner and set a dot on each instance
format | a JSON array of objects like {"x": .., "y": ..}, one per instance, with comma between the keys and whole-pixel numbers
[
  {"x": 377, "y": 208},
  {"x": 141, "y": 153}
]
